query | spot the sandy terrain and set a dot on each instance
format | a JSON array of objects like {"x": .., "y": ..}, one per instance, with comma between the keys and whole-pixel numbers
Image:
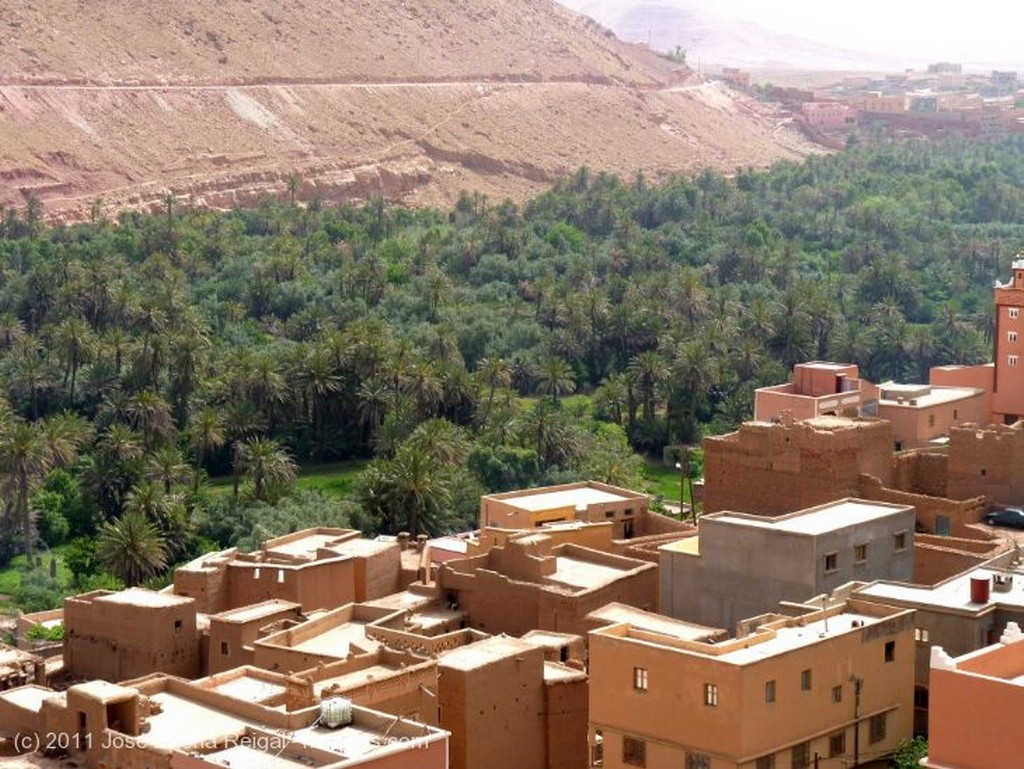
[{"x": 220, "y": 104}]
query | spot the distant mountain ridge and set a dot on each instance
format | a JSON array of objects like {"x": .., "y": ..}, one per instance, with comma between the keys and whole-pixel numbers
[{"x": 718, "y": 40}]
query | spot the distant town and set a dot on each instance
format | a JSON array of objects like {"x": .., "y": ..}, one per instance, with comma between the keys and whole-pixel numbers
[{"x": 941, "y": 101}]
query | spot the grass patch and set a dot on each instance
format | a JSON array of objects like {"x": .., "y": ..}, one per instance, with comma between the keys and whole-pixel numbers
[
  {"x": 333, "y": 479},
  {"x": 10, "y": 577},
  {"x": 663, "y": 480}
]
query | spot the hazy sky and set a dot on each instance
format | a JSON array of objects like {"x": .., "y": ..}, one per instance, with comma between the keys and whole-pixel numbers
[{"x": 976, "y": 30}]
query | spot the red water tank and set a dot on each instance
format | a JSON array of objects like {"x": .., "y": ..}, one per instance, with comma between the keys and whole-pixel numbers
[{"x": 980, "y": 587}]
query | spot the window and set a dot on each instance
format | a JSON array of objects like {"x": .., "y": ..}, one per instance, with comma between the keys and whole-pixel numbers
[
  {"x": 831, "y": 562},
  {"x": 177, "y": 626},
  {"x": 921, "y": 635},
  {"x": 1014, "y": 312},
  {"x": 1011, "y": 336},
  {"x": 931, "y": 420},
  {"x": 224, "y": 648},
  {"x": 640, "y": 679},
  {"x": 890, "y": 651},
  {"x": 698, "y": 761},
  {"x": 899, "y": 541},
  {"x": 802, "y": 755},
  {"x": 837, "y": 744},
  {"x": 634, "y": 751},
  {"x": 1011, "y": 360},
  {"x": 805, "y": 680},
  {"x": 766, "y": 762},
  {"x": 280, "y": 576},
  {"x": 877, "y": 728},
  {"x": 860, "y": 553},
  {"x": 710, "y": 695},
  {"x": 596, "y": 750},
  {"x": 255, "y": 573},
  {"x": 769, "y": 691},
  {"x": 837, "y": 693}
]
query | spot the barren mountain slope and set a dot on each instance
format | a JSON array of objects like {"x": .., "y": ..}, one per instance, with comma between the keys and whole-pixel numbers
[{"x": 220, "y": 103}]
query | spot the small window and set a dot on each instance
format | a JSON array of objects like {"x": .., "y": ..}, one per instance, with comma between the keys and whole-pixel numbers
[
  {"x": 1011, "y": 336},
  {"x": 831, "y": 562},
  {"x": 802, "y": 755},
  {"x": 877, "y": 728},
  {"x": 224, "y": 648},
  {"x": 640, "y": 679},
  {"x": 280, "y": 576},
  {"x": 860, "y": 553},
  {"x": 596, "y": 751},
  {"x": 837, "y": 693},
  {"x": 610, "y": 514},
  {"x": 899, "y": 541},
  {"x": 634, "y": 751},
  {"x": 711, "y": 695},
  {"x": 1011, "y": 360},
  {"x": 921, "y": 635},
  {"x": 698, "y": 761},
  {"x": 769, "y": 691},
  {"x": 766, "y": 762},
  {"x": 177, "y": 626},
  {"x": 956, "y": 414},
  {"x": 890, "y": 651},
  {"x": 931, "y": 420},
  {"x": 837, "y": 744},
  {"x": 805, "y": 680},
  {"x": 1014, "y": 312},
  {"x": 255, "y": 573}
]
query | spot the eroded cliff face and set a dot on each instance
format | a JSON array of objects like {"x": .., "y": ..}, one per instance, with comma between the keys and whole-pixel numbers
[{"x": 357, "y": 100}]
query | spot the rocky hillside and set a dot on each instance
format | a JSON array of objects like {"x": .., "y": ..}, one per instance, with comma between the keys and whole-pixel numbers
[{"x": 221, "y": 103}]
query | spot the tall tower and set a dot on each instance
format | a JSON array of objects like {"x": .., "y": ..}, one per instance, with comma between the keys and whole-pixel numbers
[{"x": 1008, "y": 393}]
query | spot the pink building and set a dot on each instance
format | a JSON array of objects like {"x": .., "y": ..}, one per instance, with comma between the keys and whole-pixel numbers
[
  {"x": 828, "y": 115},
  {"x": 819, "y": 388},
  {"x": 975, "y": 705}
]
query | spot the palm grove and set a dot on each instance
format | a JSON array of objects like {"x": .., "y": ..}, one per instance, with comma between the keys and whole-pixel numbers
[{"x": 140, "y": 357}]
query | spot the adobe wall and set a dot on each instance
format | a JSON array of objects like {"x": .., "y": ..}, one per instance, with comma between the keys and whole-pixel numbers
[
  {"x": 959, "y": 512},
  {"x": 230, "y": 642},
  {"x": 323, "y": 584},
  {"x": 987, "y": 461},
  {"x": 567, "y": 715},
  {"x": 938, "y": 558},
  {"x": 782, "y": 467},
  {"x": 377, "y": 574},
  {"x": 922, "y": 472},
  {"x": 205, "y": 581}
]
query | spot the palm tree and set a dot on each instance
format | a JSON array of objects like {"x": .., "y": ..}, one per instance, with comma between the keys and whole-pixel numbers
[
  {"x": 131, "y": 548},
  {"x": 25, "y": 458},
  {"x": 417, "y": 487},
  {"x": 206, "y": 433},
  {"x": 267, "y": 466},
  {"x": 647, "y": 370},
  {"x": 555, "y": 378},
  {"x": 151, "y": 416},
  {"x": 167, "y": 467}
]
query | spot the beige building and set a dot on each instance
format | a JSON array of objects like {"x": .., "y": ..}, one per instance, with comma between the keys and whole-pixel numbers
[
  {"x": 591, "y": 502},
  {"x": 742, "y": 565},
  {"x": 823, "y": 688},
  {"x": 531, "y": 584}
]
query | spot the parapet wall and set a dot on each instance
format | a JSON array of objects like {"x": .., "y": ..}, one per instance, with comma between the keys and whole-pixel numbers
[{"x": 987, "y": 461}]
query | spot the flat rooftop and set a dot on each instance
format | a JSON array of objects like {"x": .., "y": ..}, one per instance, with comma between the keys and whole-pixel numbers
[
  {"x": 571, "y": 498},
  {"x": 815, "y": 520},
  {"x": 555, "y": 672},
  {"x": 936, "y": 396},
  {"x": 243, "y": 756},
  {"x": 337, "y": 641},
  {"x": 618, "y": 613},
  {"x": 140, "y": 596},
  {"x": 579, "y": 574},
  {"x": 307, "y": 545},
  {"x": 954, "y": 593},
  {"x": 356, "y": 678},
  {"x": 789, "y": 638},
  {"x": 182, "y": 722},
  {"x": 29, "y": 697},
  {"x": 483, "y": 653},
  {"x": 250, "y": 689},
  {"x": 256, "y": 611}
]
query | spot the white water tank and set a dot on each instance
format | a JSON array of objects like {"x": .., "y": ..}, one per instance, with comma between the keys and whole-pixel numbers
[{"x": 335, "y": 712}]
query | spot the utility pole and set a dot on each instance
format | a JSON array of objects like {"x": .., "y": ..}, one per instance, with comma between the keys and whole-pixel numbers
[{"x": 857, "y": 684}]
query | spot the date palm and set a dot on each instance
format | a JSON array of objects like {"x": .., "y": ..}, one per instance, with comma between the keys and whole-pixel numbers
[
  {"x": 268, "y": 467},
  {"x": 206, "y": 433},
  {"x": 555, "y": 378},
  {"x": 131, "y": 548}
]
